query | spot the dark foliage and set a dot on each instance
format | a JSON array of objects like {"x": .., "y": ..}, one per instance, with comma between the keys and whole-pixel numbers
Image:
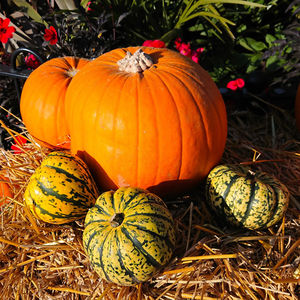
[
  {"x": 8, "y": 110},
  {"x": 288, "y": 48}
]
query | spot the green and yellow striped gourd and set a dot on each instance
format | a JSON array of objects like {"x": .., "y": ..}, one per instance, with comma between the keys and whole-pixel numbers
[
  {"x": 128, "y": 236},
  {"x": 251, "y": 200},
  {"x": 61, "y": 189}
]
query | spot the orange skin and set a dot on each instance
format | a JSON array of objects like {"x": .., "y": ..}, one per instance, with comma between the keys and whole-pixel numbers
[
  {"x": 5, "y": 191},
  {"x": 162, "y": 130},
  {"x": 297, "y": 108},
  {"x": 42, "y": 101}
]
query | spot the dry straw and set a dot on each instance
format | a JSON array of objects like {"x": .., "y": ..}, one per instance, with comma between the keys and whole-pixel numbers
[{"x": 211, "y": 260}]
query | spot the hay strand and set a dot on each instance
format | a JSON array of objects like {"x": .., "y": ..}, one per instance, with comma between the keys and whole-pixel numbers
[{"x": 211, "y": 260}]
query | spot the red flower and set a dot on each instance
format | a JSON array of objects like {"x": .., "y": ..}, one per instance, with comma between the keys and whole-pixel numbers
[
  {"x": 31, "y": 61},
  {"x": 51, "y": 35},
  {"x": 196, "y": 54},
  {"x": 154, "y": 43},
  {"x": 178, "y": 43},
  {"x": 18, "y": 141},
  {"x": 238, "y": 83},
  {"x": 6, "y": 31},
  {"x": 88, "y": 6},
  {"x": 185, "y": 49}
]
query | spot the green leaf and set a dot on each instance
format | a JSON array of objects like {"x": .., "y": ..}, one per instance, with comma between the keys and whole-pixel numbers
[
  {"x": 252, "y": 45},
  {"x": 270, "y": 39},
  {"x": 240, "y": 2},
  {"x": 258, "y": 46},
  {"x": 271, "y": 60},
  {"x": 208, "y": 14},
  {"x": 32, "y": 13},
  {"x": 84, "y": 3}
]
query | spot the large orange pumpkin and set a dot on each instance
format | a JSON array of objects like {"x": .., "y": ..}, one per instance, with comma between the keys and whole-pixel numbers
[
  {"x": 297, "y": 108},
  {"x": 5, "y": 191},
  {"x": 42, "y": 100},
  {"x": 154, "y": 119}
]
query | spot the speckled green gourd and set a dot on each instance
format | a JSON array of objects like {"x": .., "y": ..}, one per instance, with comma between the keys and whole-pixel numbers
[
  {"x": 61, "y": 189},
  {"x": 128, "y": 236},
  {"x": 252, "y": 200}
]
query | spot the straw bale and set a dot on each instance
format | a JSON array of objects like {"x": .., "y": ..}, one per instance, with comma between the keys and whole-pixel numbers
[{"x": 211, "y": 259}]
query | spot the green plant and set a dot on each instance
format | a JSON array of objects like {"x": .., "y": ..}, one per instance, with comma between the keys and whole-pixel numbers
[
  {"x": 256, "y": 33},
  {"x": 79, "y": 32},
  {"x": 286, "y": 48},
  {"x": 165, "y": 20}
]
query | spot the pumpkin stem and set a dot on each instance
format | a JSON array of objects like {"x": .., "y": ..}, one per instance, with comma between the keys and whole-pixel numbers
[
  {"x": 135, "y": 63},
  {"x": 117, "y": 219},
  {"x": 72, "y": 72}
]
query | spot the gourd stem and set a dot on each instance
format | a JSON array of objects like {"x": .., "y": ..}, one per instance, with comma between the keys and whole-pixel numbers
[
  {"x": 117, "y": 219},
  {"x": 135, "y": 63}
]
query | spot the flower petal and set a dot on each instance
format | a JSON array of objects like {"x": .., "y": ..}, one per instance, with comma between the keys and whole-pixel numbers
[{"x": 232, "y": 85}]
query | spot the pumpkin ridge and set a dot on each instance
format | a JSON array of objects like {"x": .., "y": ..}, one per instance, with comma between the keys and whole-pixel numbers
[
  {"x": 117, "y": 105},
  {"x": 155, "y": 215},
  {"x": 156, "y": 147},
  {"x": 275, "y": 207},
  {"x": 71, "y": 158},
  {"x": 58, "y": 160},
  {"x": 98, "y": 221},
  {"x": 68, "y": 174},
  {"x": 198, "y": 108},
  {"x": 64, "y": 62},
  {"x": 278, "y": 210},
  {"x": 198, "y": 81},
  {"x": 112, "y": 201},
  {"x": 56, "y": 123},
  {"x": 91, "y": 236},
  {"x": 120, "y": 259},
  {"x": 50, "y": 192},
  {"x": 212, "y": 104},
  {"x": 139, "y": 247},
  {"x": 58, "y": 215},
  {"x": 130, "y": 197},
  {"x": 137, "y": 128},
  {"x": 61, "y": 109},
  {"x": 253, "y": 188},
  {"x": 158, "y": 74},
  {"x": 142, "y": 228},
  {"x": 101, "y": 210},
  {"x": 161, "y": 216},
  {"x": 232, "y": 182},
  {"x": 139, "y": 202},
  {"x": 183, "y": 70},
  {"x": 101, "y": 256},
  {"x": 98, "y": 109},
  {"x": 71, "y": 67}
]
